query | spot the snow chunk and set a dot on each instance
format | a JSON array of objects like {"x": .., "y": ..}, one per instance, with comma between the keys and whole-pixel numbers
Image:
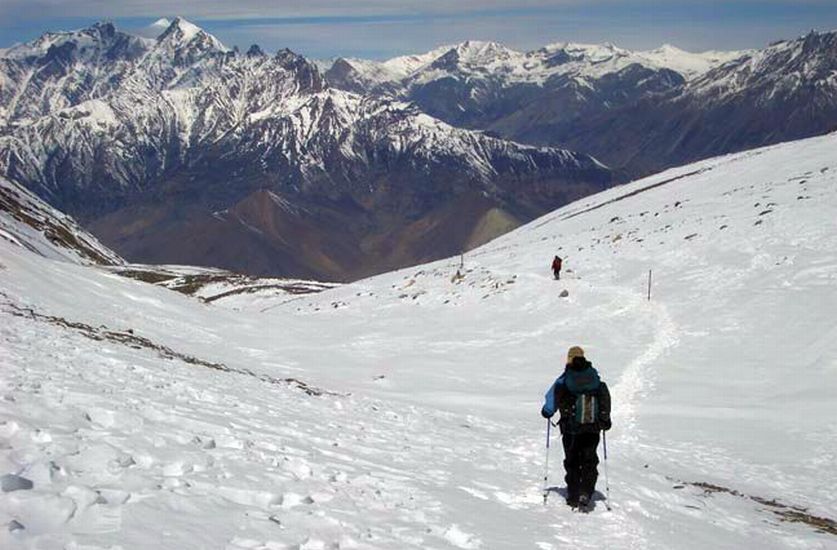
[{"x": 460, "y": 538}]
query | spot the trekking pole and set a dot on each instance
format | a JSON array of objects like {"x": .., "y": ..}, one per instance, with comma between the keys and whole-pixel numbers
[
  {"x": 607, "y": 481},
  {"x": 546, "y": 467}
]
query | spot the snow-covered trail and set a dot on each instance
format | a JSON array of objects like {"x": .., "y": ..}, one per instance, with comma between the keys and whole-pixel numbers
[
  {"x": 470, "y": 465},
  {"x": 432, "y": 437},
  {"x": 190, "y": 449}
]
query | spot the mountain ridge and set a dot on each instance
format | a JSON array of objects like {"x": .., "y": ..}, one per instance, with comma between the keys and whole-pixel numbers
[
  {"x": 184, "y": 120},
  {"x": 599, "y": 98},
  {"x": 28, "y": 222},
  {"x": 119, "y": 130}
]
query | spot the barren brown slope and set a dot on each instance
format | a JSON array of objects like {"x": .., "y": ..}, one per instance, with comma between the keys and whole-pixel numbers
[
  {"x": 266, "y": 234},
  {"x": 256, "y": 236}
]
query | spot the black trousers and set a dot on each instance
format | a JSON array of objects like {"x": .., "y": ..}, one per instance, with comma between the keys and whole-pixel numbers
[{"x": 580, "y": 463}]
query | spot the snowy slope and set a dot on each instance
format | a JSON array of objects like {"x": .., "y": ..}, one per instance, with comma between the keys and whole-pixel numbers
[
  {"x": 29, "y": 222},
  {"x": 219, "y": 286},
  {"x": 412, "y": 420}
]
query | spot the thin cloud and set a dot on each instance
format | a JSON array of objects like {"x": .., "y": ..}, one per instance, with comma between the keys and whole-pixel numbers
[
  {"x": 383, "y": 39},
  {"x": 246, "y": 9},
  {"x": 384, "y": 28}
]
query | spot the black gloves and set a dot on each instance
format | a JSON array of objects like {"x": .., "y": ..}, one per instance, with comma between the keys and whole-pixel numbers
[{"x": 605, "y": 423}]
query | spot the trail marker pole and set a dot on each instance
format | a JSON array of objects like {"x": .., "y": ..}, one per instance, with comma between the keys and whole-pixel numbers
[{"x": 649, "y": 285}]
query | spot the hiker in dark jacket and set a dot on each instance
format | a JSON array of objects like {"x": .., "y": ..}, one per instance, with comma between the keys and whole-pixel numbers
[
  {"x": 583, "y": 402},
  {"x": 556, "y": 267}
]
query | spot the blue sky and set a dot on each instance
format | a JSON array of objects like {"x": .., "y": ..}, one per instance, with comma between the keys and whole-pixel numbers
[{"x": 384, "y": 28}]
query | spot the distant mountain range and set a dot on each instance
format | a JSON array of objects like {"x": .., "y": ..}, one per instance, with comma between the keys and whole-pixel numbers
[
  {"x": 177, "y": 149},
  {"x": 523, "y": 94},
  {"x": 638, "y": 112}
]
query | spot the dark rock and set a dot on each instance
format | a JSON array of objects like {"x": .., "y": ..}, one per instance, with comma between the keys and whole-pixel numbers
[
  {"x": 13, "y": 482},
  {"x": 15, "y": 525}
]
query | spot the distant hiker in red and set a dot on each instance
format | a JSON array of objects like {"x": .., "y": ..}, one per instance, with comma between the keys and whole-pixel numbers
[
  {"x": 583, "y": 402},
  {"x": 556, "y": 267}
]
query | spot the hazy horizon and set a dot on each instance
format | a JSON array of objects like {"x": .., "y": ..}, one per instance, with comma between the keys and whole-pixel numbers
[{"x": 377, "y": 29}]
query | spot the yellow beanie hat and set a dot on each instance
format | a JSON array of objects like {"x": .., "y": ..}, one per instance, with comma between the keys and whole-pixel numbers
[{"x": 574, "y": 352}]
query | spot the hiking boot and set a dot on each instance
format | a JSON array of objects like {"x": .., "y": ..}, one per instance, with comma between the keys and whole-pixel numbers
[
  {"x": 583, "y": 501},
  {"x": 572, "y": 501}
]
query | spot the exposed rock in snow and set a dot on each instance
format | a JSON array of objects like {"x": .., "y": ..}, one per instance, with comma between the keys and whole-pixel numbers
[
  {"x": 28, "y": 222},
  {"x": 12, "y": 482}
]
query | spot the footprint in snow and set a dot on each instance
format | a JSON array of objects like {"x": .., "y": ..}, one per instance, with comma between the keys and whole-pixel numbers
[
  {"x": 177, "y": 469},
  {"x": 44, "y": 473},
  {"x": 45, "y": 514},
  {"x": 338, "y": 477},
  {"x": 101, "y": 418},
  {"x": 298, "y": 467},
  {"x": 114, "y": 497},
  {"x": 8, "y": 429},
  {"x": 291, "y": 500},
  {"x": 41, "y": 436},
  {"x": 255, "y": 498}
]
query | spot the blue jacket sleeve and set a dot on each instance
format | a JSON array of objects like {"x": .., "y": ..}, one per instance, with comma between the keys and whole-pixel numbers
[{"x": 550, "y": 406}]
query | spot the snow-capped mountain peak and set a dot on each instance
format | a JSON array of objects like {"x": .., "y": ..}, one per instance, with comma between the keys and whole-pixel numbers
[
  {"x": 95, "y": 37},
  {"x": 93, "y": 136},
  {"x": 689, "y": 64},
  {"x": 582, "y": 57},
  {"x": 184, "y": 34},
  {"x": 155, "y": 29},
  {"x": 405, "y": 65},
  {"x": 479, "y": 49},
  {"x": 474, "y": 58},
  {"x": 779, "y": 70}
]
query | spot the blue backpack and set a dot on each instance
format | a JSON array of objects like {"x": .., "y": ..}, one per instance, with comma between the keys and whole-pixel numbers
[{"x": 584, "y": 385}]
